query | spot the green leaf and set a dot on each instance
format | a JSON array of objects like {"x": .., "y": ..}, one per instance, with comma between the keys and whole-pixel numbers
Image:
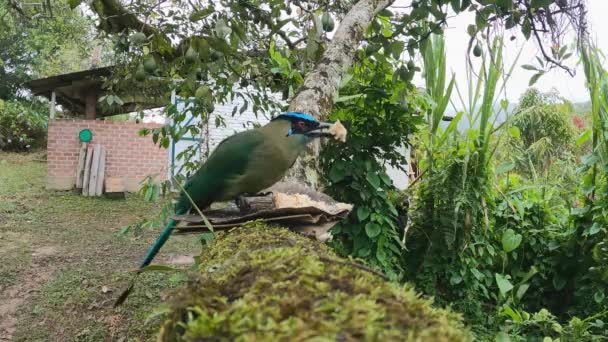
[
  {"x": 372, "y": 229},
  {"x": 526, "y": 29},
  {"x": 583, "y": 137},
  {"x": 478, "y": 275},
  {"x": 336, "y": 174},
  {"x": 206, "y": 238},
  {"x": 348, "y": 98},
  {"x": 514, "y": 132},
  {"x": 505, "y": 167},
  {"x": 386, "y": 179},
  {"x": 455, "y": 5},
  {"x": 481, "y": 20},
  {"x": 535, "y": 78},
  {"x": 363, "y": 213},
  {"x": 510, "y": 240},
  {"x": 529, "y": 67},
  {"x": 465, "y": 5},
  {"x": 515, "y": 316},
  {"x": 373, "y": 180},
  {"x": 74, "y": 3},
  {"x": 599, "y": 296},
  {"x": 504, "y": 285},
  {"x": 505, "y": 5},
  {"x": 502, "y": 337},
  {"x": 198, "y": 15},
  {"x": 539, "y": 3},
  {"x": 594, "y": 229},
  {"x": 221, "y": 29},
  {"x": 397, "y": 48},
  {"x": 559, "y": 282},
  {"x": 455, "y": 279},
  {"x": 521, "y": 291}
]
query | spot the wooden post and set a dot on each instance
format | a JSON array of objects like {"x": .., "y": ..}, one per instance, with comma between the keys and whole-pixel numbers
[
  {"x": 80, "y": 171},
  {"x": 52, "y": 106},
  {"x": 94, "y": 170},
  {"x": 90, "y": 104},
  {"x": 87, "y": 171},
  {"x": 101, "y": 173}
]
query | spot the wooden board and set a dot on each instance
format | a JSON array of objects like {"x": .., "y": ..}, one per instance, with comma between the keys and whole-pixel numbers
[
  {"x": 94, "y": 170},
  {"x": 101, "y": 172},
  {"x": 114, "y": 184},
  {"x": 87, "y": 171},
  {"x": 80, "y": 171}
]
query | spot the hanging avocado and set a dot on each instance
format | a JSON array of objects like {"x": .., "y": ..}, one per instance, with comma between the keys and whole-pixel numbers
[
  {"x": 327, "y": 22},
  {"x": 137, "y": 38},
  {"x": 477, "y": 50},
  {"x": 203, "y": 94},
  {"x": 140, "y": 73},
  {"x": 411, "y": 65},
  {"x": 210, "y": 107},
  {"x": 191, "y": 55},
  {"x": 403, "y": 73},
  {"x": 204, "y": 51},
  {"x": 149, "y": 64}
]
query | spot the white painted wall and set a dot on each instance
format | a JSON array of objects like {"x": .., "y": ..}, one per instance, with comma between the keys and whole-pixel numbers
[{"x": 399, "y": 177}]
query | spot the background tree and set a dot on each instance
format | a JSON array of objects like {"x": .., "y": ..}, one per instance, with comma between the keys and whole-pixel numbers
[
  {"x": 546, "y": 131},
  {"x": 38, "y": 43},
  {"x": 37, "y": 40}
]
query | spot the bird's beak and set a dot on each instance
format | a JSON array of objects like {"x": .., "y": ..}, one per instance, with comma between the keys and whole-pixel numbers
[{"x": 329, "y": 129}]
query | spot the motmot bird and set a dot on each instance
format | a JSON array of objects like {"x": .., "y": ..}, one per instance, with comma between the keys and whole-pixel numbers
[{"x": 245, "y": 163}]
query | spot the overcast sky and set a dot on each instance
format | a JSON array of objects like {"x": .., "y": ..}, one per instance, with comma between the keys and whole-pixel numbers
[{"x": 569, "y": 87}]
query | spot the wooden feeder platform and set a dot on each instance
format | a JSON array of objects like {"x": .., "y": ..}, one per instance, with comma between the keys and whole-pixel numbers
[{"x": 295, "y": 206}]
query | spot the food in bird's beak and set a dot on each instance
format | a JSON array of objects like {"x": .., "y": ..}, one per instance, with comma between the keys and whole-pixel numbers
[
  {"x": 338, "y": 130},
  {"x": 328, "y": 129}
]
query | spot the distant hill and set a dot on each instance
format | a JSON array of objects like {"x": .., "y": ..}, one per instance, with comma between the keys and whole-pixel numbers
[{"x": 582, "y": 107}]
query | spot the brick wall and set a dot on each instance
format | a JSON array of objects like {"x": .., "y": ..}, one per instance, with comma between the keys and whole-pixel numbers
[{"x": 128, "y": 156}]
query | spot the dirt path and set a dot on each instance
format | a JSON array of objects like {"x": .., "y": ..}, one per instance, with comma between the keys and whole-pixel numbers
[{"x": 28, "y": 282}]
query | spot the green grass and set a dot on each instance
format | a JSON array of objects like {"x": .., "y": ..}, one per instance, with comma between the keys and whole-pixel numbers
[{"x": 65, "y": 248}]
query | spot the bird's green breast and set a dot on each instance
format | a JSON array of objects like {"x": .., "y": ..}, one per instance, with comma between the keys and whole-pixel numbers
[{"x": 268, "y": 162}]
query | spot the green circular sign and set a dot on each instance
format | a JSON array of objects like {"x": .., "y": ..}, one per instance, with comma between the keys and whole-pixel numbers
[{"x": 85, "y": 135}]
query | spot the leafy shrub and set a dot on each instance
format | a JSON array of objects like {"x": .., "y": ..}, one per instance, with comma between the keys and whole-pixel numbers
[
  {"x": 377, "y": 110},
  {"x": 542, "y": 131},
  {"x": 22, "y": 126}
]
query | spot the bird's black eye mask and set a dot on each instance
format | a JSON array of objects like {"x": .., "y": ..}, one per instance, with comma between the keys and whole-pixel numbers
[
  {"x": 301, "y": 126},
  {"x": 312, "y": 129}
]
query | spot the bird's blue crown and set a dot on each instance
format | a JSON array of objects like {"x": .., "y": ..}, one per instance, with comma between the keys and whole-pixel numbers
[{"x": 296, "y": 115}]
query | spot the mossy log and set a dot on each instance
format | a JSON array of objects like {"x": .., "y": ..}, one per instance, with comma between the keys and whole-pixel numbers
[{"x": 265, "y": 283}]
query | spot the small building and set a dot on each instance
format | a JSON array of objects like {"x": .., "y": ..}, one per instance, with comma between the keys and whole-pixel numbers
[{"x": 130, "y": 158}]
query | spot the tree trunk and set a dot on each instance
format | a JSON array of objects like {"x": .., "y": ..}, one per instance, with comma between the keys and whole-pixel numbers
[
  {"x": 262, "y": 283},
  {"x": 317, "y": 94}
]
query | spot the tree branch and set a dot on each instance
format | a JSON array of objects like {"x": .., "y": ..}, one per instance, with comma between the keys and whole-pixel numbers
[
  {"x": 320, "y": 86},
  {"x": 545, "y": 55},
  {"x": 114, "y": 18}
]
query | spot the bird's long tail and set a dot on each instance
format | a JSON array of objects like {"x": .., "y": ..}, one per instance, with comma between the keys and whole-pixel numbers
[{"x": 160, "y": 241}]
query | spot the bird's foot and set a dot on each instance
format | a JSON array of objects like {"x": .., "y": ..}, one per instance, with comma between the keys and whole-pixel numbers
[
  {"x": 241, "y": 203},
  {"x": 258, "y": 194}
]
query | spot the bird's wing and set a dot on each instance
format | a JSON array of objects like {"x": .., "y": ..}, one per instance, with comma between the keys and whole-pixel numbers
[{"x": 228, "y": 161}]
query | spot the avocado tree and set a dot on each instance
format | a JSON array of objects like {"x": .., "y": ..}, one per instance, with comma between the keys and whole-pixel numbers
[{"x": 218, "y": 51}]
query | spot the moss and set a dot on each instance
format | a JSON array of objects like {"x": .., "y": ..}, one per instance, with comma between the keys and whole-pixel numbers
[{"x": 266, "y": 283}]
